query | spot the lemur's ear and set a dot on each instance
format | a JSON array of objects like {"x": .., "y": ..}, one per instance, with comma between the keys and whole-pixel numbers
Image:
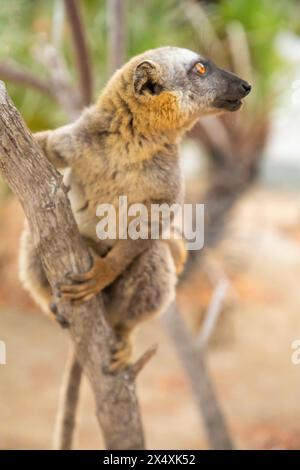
[{"x": 145, "y": 78}]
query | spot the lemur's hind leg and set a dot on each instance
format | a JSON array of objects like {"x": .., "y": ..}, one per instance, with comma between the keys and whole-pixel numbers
[
  {"x": 33, "y": 277},
  {"x": 146, "y": 288}
]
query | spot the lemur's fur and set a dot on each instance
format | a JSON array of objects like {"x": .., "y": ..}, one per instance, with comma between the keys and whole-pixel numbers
[{"x": 127, "y": 144}]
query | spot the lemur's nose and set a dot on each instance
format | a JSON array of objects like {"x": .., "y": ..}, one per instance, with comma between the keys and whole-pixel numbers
[{"x": 246, "y": 87}]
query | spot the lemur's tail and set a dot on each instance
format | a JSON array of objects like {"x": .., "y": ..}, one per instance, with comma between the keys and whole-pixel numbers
[{"x": 69, "y": 394}]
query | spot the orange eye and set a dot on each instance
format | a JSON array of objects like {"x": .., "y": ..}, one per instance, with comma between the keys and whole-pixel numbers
[{"x": 201, "y": 69}]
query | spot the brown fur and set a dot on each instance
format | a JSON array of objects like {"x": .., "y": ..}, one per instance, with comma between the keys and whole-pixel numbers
[{"x": 127, "y": 144}]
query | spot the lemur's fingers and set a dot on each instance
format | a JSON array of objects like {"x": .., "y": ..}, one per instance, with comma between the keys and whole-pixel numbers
[
  {"x": 85, "y": 289},
  {"x": 118, "y": 363},
  {"x": 98, "y": 269},
  {"x": 81, "y": 296},
  {"x": 120, "y": 356},
  {"x": 87, "y": 275},
  {"x": 82, "y": 277},
  {"x": 87, "y": 297},
  {"x": 77, "y": 288},
  {"x": 89, "y": 283},
  {"x": 63, "y": 322},
  {"x": 53, "y": 307}
]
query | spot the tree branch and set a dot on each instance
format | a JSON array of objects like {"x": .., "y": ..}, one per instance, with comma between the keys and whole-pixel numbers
[
  {"x": 63, "y": 91},
  {"x": 41, "y": 192},
  {"x": 69, "y": 395},
  {"x": 136, "y": 368},
  {"x": 12, "y": 72},
  {"x": 116, "y": 12},
  {"x": 194, "y": 363},
  {"x": 80, "y": 50},
  {"x": 213, "y": 312}
]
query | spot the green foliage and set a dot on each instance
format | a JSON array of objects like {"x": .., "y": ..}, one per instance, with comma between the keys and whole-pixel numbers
[
  {"x": 21, "y": 24},
  {"x": 151, "y": 23},
  {"x": 262, "y": 21},
  {"x": 155, "y": 24}
]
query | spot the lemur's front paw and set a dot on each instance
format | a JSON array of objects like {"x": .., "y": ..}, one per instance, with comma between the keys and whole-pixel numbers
[
  {"x": 85, "y": 285},
  {"x": 120, "y": 355},
  {"x": 58, "y": 317}
]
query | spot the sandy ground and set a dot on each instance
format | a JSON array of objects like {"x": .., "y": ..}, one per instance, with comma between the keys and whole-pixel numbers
[{"x": 249, "y": 357}]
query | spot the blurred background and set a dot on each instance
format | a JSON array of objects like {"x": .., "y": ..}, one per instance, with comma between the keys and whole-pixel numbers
[{"x": 239, "y": 296}]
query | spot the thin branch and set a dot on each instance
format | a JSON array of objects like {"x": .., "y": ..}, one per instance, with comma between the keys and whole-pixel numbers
[
  {"x": 199, "y": 20},
  {"x": 136, "y": 368},
  {"x": 69, "y": 395},
  {"x": 12, "y": 72},
  {"x": 41, "y": 192},
  {"x": 116, "y": 19},
  {"x": 239, "y": 50},
  {"x": 58, "y": 17},
  {"x": 59, "y": 77},
  {"x": 213, "y": 312},
  {"x": 80, "y": 49},
  {"x": 57, "y": 86},
  {"x": 194, "y": 363}
]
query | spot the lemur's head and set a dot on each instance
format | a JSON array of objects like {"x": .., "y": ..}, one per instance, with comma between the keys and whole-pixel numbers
[{"x": 172, "y": 87}]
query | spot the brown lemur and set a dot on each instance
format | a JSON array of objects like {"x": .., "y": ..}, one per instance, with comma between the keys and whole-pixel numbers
[{"x": 127, "y": 144}]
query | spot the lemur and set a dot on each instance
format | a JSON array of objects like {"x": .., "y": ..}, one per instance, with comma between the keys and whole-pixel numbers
[{"x": 127, "y": 144}]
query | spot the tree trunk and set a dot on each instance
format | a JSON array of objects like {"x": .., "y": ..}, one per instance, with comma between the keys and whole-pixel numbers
[{"x": 41, "y": 192}]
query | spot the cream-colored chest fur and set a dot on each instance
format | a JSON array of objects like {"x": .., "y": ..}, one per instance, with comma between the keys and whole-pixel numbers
[{"x": 102, "y": 177}]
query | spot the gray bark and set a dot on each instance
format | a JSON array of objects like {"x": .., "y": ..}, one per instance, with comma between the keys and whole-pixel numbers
[
  {"x": 69, "y": 396},
  {"x": 116, "y": 19},
  {"x": 194, "y": 362},
  {"x": 41, "y": 192}
]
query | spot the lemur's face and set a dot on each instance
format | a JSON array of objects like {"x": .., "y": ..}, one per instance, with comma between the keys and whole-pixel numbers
[{"x": 190, "y": 85}]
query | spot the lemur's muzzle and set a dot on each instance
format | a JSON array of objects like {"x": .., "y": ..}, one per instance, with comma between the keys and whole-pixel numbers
[
  {"x": 246, "y": 87},
  {"x": 235, "y": 89}
]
